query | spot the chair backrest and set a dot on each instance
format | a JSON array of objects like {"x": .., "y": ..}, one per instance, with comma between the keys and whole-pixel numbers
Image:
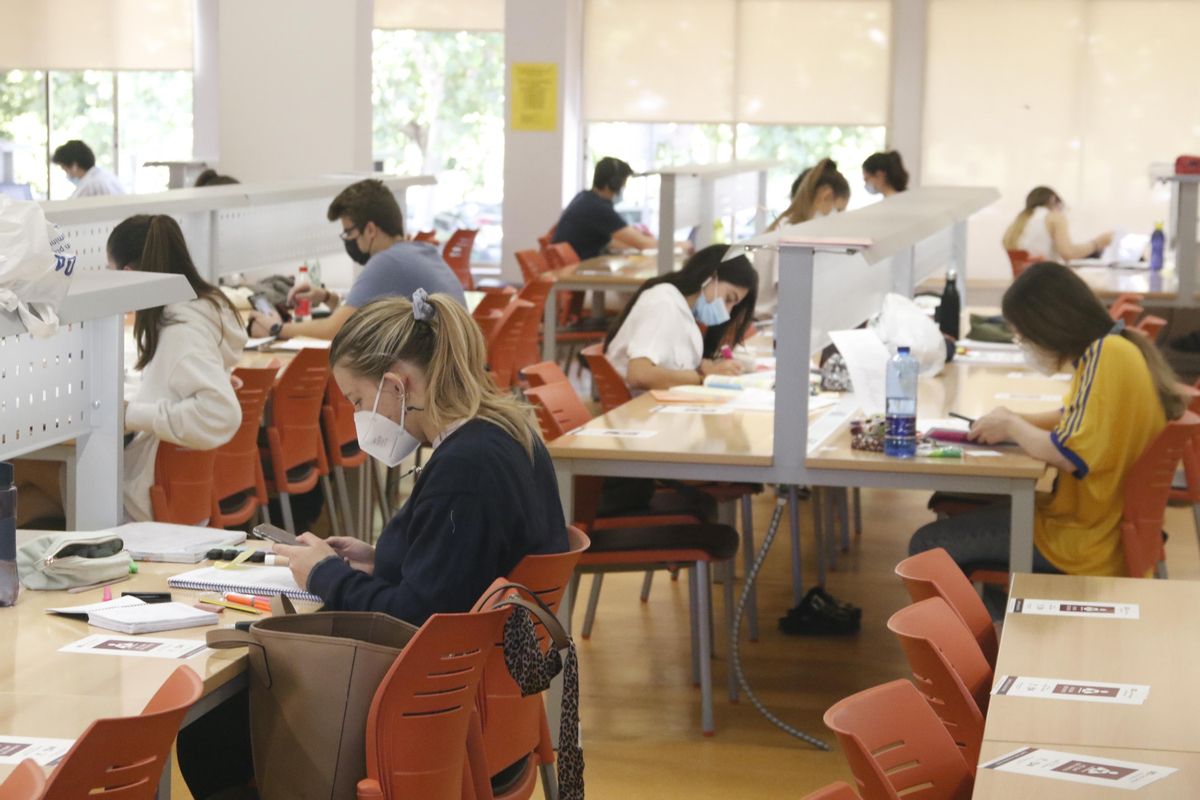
[
  {"x": 502, "y": 350},
  {"x": 948, "y": 668},
  {"x": 558, "y": 409},
  {"x": 457, "y": 253},
  {"x": 238, "y": 468},
  {"x": 1151, "y": 326},
  {"x": 337, "y": 423},
  {"x": 416, "y": 740},
  {"x": 426, "y": 236},
  {"x": 25, "y": 782},
  {"x": 547, "y": 238},
  {"x": 834, "y": 791},
  {"x": 1126, "y": 311},
  {"x": 1147, "y": 485},
  {"x": 1019, "y": 260},
  {"x": 532, "y": 264},
  {"x": 512, "y": 724},
  {"x": 897, "y": 747},
  {"x": 560, "y": 255},
  {"x": 122, "y": 758},
  {"x": 934, "y": 574},
  {"x": 609, "y": 384},
  {"x": 183, "y": 485},
  {"x": 295, "y": 418},
  {"x": 543, "y": 372},
  {"x": 495, "y": 300},
  {"x": 536, "y": 291}
]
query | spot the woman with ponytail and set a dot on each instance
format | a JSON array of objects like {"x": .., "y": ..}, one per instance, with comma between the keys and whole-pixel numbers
[
  {"x": 884, "y": 173},
  {"x": 486, "y": 498},
  {"x": 185, "y": 352},
  {"x": 1041, "y": 230},
  {"x": 1121, "y": 395}
]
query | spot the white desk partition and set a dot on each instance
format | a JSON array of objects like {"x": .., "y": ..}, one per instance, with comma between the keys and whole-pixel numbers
[
  {"x": 69, "y": 386},
  {"x": 228, "y": 229},
  {"x": 699, "y": 194}
]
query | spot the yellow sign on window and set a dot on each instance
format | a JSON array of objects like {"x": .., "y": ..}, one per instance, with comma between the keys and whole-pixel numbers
[{"x": 534, "y": 97}]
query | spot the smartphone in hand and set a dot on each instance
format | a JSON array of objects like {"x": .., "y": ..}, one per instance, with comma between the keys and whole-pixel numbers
[{"x": 273, "y": 533}]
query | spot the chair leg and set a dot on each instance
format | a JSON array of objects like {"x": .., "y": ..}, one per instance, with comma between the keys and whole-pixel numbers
[
  {"x": 549, "y": 781},
  {"x": 266, "y": 514},
  {"x": 705, "y": 648},
  {"x": 566, "y": 607},
  {"x": 794, "y": 520},
  {"x": 693, "y": 621},
  {"x": 285, "y": 506},
  {"x": 856, "y": 494},
  {"x": 729, "y": 602},
  {"x": 327, "y": 492},
  {"x": 352, "y": 529},
  {"x": 748, "y": 555},
  {"x": 647, "y": 582},
  {"x": 589, "y": 617},
  {"x": 829, "y": 532},
  {"x": 844, "y": 513}
]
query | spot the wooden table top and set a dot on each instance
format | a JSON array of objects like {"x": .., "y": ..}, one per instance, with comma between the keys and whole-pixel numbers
[
  {"x": 1160, "y": 649},
  {"x": 613, "y": 271},
  {"x": 1107, "y": 282}
]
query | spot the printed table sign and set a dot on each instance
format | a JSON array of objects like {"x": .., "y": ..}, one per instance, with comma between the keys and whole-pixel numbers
[
  {"x": 47, "y": 752},
  {"x": 612, "y": 433},
  {"x": 1133, "y": 694},
  {"x": 1094, "y": 770},
  {"x": 708, "y": 410},
  {"x": 1073, "y": 608},
  {"x": 140, "y": 646}
]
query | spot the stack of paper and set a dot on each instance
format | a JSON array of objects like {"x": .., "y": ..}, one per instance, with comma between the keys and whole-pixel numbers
[
  {"x": 177, "y": 544},
  {"x": 301, "y": 343}
]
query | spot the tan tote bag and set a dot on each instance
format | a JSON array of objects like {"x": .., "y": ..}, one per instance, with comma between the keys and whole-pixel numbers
[{"x": 312, "y": 680}]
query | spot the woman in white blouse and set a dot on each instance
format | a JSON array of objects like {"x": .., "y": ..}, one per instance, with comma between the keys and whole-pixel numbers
[
  {"x": 186, "y": 353},
  {"x": 656, "y": 342},
  {"x": 1041, "y": 230}
]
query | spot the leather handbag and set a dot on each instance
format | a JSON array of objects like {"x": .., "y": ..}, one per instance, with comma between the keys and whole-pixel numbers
[{"x": 312, "y": 680}]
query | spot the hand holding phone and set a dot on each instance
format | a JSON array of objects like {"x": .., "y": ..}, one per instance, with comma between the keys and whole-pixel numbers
[
  {"x": 273, "y": 533},
  {"x": 261, "y": 304}
]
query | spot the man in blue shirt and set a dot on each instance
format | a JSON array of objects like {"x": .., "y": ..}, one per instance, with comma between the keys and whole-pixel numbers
[
  {"x": 589, "y": 223},
  {"x": 373, "y": 235}
]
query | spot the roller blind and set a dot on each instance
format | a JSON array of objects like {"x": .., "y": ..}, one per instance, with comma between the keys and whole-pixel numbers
[
  {"x": 440, "y": 15},
  {"x": 96, "y": 34},
  {"x": 758, "y": 61}
]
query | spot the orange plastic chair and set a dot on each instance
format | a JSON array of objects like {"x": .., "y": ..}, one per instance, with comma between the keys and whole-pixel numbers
[
  {"x": 294, "y": 453},
  {"x": 416, "y": 743},
  {"x": 609, "y": 384},
  {"x": 494, "y": 301},
  {"x": 513, "y": 728},
  {"x": 536, "y": 291},
  {"x": 457, "y": 253},
  {"x": 1191, "y": 461},
  {"x": 426, "y": 236},
  {"x": 1128, "y": 312},
  {"x": 1151, "y": 326},
  {"x": 547, "y": 238},
  {"x": 25, "y": 782},
  {"x": 834, "y": 791},
  {"x": 542, "y": 373},
  {"x": 239, "y": 488},
  {"x": 532, "y": 264},
  {"x": 896, "y": 746},
  {"x": 183, "y": 485},
  {"x": 123, "y": 757},
  {"x": 948, "y": 668},
  {"x": 1146, "y": 489},
  {"x": 1019, "y": 260},
  {"x": 341, "y": 447},
  {"x": 506, "y": 341},
  {"x": 934, "y": 574}
]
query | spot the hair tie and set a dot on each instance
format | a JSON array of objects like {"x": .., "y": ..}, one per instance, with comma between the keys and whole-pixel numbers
[
  {"x": 1117, "y": 327},
  {"x": 423, "y": 310}
]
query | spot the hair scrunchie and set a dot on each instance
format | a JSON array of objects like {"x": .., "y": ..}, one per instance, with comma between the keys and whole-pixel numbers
[
  {"x": 423, "y": 310},
  {"x": 1117, "y": 327}
]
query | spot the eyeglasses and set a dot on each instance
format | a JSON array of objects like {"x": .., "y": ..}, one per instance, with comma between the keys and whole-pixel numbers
[{"x": 349, "y": 233}]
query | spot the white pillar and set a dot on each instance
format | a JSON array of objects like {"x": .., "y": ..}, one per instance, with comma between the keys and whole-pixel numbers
[
  {"x": 294, "y": 93},
  {"x": 906, "y": 106},
  {"x": 206, "y": 83},
  {"x": 542, "y": 169}
]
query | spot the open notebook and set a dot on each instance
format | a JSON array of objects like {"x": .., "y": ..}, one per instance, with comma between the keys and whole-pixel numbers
[
  {"x": 131, "y": 615},
  {"x": 245, "y": 579}
]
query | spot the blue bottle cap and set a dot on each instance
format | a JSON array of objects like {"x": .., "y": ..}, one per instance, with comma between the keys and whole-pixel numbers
[{"x": 902, "y": 350}]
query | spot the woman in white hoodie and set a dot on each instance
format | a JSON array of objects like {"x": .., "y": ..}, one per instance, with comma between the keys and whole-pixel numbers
[{"x": 186, "y": 353}]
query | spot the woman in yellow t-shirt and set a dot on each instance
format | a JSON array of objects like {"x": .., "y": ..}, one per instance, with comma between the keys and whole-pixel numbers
[{"x": 1122, "y": 394}]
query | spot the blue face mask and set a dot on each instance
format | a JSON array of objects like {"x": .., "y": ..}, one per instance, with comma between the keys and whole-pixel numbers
[
  {"x": 74, "y": 180},
  {"x": 710, "y": 312}
]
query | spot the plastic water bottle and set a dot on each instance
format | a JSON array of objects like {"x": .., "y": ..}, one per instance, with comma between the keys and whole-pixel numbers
[
  {"x": 900, "y": 434},
  {"x": 10, "y": 582},
  {"x": 302, "y": 312},
  {"x": 949, "y": 313},
  {"x": 1158, "y": 241}
]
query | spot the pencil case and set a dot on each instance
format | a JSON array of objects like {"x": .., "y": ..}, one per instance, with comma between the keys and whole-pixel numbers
[
  {"x": 64, "y": 561},
  {"x": 948, "y": 435}
]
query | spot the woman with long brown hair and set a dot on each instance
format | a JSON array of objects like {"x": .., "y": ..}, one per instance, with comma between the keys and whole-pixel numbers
[
  {"x": 185, "y": 352},
  {"x": 1122, "y": 393},
  {"x": 1041, "y": 230}
]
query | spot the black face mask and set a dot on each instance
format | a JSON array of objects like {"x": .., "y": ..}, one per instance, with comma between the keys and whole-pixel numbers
[{"x": 355, "y": 252}]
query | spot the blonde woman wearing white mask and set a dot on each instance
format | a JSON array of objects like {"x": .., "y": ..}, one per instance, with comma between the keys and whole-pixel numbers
[{"x": 487, "y": 497}]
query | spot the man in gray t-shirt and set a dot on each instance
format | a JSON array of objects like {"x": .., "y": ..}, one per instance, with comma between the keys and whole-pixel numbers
[{"x": 373, "y": 234}]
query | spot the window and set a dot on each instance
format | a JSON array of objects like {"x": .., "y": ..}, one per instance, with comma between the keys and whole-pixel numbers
[
  {"x": 439, "y": 110},
  {"x": 23, "y": 129}
]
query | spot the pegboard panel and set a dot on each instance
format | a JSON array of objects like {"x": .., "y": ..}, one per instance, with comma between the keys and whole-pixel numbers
[
  {"x": 250, "y": 237},
  {"x": 43, "y": 389},
  {"x": 90, "y": 242}
]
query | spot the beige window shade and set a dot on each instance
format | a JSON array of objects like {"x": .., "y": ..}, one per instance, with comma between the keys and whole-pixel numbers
[
  {"x": 440, "y": 15},
  {"x": 659, "y": 60},
  {"x": 813, "y": 61},
  {"x": 96, "y": 34}
]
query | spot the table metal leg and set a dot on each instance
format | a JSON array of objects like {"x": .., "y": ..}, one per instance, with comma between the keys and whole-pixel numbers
[
  {"x": 1020, "y": 553},
  {"x": 794, "y": 519},
  {"x": 549, "y": 321}
]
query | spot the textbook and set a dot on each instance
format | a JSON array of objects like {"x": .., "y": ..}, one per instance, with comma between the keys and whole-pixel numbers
[
  {"x": 244, "y": 579},
  {"x": 131, "y": 615}
]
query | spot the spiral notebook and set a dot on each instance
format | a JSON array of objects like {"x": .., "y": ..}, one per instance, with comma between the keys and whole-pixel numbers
[{"x": 246, "y": 579}]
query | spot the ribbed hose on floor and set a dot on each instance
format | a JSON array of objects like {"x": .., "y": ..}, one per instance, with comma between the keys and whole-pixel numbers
[{"x": 751, "y": 576}]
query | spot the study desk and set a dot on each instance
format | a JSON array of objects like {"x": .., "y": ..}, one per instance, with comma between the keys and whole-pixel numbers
[
  {"x": 993, "y": 785},
  {"x": 1108, "y": 282}
]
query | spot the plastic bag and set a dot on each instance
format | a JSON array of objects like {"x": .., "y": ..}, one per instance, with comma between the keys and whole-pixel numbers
[
  {"x": 36, "y": 264},
  {"x": 901, "y": 322}
]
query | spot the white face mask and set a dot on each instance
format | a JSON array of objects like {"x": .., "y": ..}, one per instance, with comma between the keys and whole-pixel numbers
[
  {"x": 1039, "y": 359},
  {"x": 381, "y": 438}
]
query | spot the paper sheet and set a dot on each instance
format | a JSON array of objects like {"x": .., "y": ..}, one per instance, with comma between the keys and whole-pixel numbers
[
  {"x": 866, "y": 360},
  {"x": 46, "y": 752},
  {"x": 1073, "y": 608},
  {"x": 709, "y": 410},
  {"x": 1133, "y": 694},
  {"x": 140, "y": 647},
  {"x": 1039, "y": 398},
  {"x": 613, "y": 433},
  {"x": 301, "y": 343},
  {"x": 1094, "y": 770},
  {"x": 255, "y": 343},
  {"x": 180, "y": 544}
]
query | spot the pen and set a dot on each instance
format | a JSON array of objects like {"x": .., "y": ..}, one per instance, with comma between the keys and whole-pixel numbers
[{"x": 968, "y": 420}]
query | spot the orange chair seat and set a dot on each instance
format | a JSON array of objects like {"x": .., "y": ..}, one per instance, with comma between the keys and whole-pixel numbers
[{"x": 667, "y": 543}]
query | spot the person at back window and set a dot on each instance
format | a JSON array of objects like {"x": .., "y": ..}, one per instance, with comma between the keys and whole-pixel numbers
[
  {"x": 79, "y": 163},
  {"x": 373, "y": 235},
  {"x": 589, "y": 223}
]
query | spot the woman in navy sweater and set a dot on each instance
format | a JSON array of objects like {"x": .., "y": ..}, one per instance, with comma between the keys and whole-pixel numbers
[{"x": 414, "y": 372}]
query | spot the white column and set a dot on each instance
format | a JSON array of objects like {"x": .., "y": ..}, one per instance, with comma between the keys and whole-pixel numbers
[
  {"x": 206, "y": 85},
  {"x": 294, "y": 96},
  {"x": 906, "y": 106},
  {"x": 542, "y": 169}
]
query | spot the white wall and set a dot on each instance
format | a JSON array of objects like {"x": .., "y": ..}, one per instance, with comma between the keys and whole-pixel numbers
[{"x": 294, "y": 87}]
